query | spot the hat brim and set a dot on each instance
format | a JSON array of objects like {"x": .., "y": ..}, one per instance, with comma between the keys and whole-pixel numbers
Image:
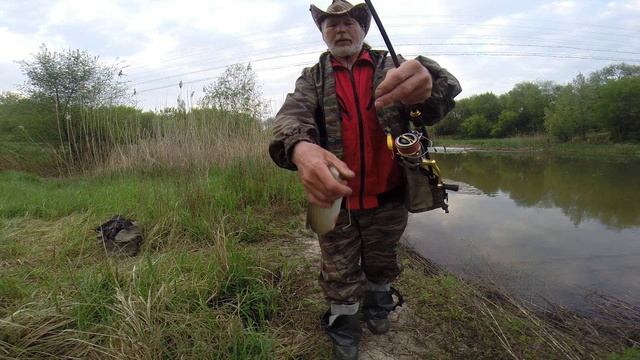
[{"x": 359, "y": 12}]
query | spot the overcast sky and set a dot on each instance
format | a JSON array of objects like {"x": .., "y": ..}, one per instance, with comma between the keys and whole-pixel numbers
[{"x": 488, "y": 45}]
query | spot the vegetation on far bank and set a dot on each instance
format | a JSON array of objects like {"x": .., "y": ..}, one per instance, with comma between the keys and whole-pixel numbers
[
  {"x": 601, "y": 106},
  {"x": 542, "y": 143}
]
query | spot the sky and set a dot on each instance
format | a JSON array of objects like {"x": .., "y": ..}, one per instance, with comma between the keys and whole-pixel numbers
[{"x": 488, "y": 45}]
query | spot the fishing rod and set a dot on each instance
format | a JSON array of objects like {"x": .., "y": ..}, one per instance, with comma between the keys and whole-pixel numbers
[
  {"x": 413, "y": 147},
  {"x": 385, "y": 37}
]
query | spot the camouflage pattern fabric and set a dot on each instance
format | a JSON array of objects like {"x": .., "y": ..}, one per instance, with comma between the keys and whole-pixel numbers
[
  {"x": 362, "y": 250},
  {"x": 314, "y": 101},
  {"x": 365, "y": 250}
]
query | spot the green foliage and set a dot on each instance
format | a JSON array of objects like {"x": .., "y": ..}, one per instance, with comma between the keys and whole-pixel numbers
[
  {"x": 26, "y": 119},
  {"x": 476, "y": 126},
  {"x": 236, "y": 90},
  {"x": 194, "y": 292},
  {"x": 589, "y": 109},
  {"x": 528, "y": 100},
  {"x": 629, "y": 354},
  {"x": 506, "y": 124},
  {"x": 72, "y": 77},
  {"x": 563, "y": 119},
  {"x": 452, "y": 122},
  {"x": 619, "y": 108},
  {"x": 487, "y": 105},
  {"x": 614, "y": 72}
]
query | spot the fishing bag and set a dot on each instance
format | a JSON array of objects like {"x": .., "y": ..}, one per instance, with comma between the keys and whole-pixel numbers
[
  {"x": 119, "y": 235},
  {"x": 423, "y": 190}
]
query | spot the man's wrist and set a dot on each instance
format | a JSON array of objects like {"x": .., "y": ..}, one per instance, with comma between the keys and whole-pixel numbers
[{"x": 295, "y": 150}]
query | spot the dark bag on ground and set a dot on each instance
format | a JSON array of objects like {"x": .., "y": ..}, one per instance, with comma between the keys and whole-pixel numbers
[{"x": 120, "y": 236}]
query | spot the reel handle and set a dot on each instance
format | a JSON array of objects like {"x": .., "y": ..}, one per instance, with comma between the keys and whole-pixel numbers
[{"x": 451, "y": 187}]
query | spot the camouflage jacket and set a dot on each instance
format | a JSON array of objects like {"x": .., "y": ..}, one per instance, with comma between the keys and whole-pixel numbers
[{"x": 311, "y": 113}]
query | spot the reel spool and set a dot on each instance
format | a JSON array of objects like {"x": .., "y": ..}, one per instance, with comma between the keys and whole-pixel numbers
[{"x": 408, "y": 144}]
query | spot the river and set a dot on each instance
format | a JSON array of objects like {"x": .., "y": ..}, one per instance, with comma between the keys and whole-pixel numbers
[{"x": 544, "y": 228}]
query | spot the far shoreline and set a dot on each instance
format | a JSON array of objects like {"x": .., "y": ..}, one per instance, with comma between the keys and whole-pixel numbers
[{"x": 537, "y": 144}]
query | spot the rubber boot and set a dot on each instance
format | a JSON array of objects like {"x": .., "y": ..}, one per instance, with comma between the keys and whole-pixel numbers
[
  {"x": 345, "y": 333},
  {"x": 378, "y": 303}
]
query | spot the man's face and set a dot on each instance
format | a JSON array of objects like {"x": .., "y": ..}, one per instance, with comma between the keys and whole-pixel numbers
[{"x": 343, "y": 35}]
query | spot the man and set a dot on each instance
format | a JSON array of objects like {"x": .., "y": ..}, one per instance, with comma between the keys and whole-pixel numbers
[{"x": 338, "y": 115}]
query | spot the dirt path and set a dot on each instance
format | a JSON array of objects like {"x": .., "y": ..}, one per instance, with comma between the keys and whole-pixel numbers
[{"x": 404, "y": 341}]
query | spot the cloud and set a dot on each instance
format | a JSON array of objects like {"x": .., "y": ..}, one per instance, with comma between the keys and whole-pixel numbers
[
  {"x": 564, "y": 8},
  {"x": 14, "y": 46},
  {"x": 160, "y": 39},
  {"x": 73, "y": 11}
]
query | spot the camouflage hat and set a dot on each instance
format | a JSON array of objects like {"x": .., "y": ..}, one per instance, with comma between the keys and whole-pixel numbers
[{"x": 359, "y": 12}]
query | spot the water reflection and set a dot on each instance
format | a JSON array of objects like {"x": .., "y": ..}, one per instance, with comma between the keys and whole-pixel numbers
[
  {"x": 602, "y": 189},
  {"x": 541, "y": 227}
]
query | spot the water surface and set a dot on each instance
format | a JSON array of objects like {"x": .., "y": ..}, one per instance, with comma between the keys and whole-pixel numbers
[{"x": 554, "y": 228}]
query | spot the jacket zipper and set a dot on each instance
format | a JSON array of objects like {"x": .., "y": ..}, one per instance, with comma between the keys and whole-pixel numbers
[{"x": 361, "y": 130}]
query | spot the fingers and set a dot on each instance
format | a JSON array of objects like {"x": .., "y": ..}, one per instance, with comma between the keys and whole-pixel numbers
[
  {"x": 411, "y": 83},
  {"x": 341, "y": 166},
  {"x": 321, "y": 186},
  {"x": 317, "y": 201},
  {"x": 328, "y": 184},
  {"x": 391, "y": 80}
]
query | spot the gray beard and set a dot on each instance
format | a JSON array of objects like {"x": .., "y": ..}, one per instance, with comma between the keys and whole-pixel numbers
[{"x": 345, "y": 51}]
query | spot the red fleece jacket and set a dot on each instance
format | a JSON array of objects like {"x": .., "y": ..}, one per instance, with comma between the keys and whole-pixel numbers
[{"x": 365, "y": 144}]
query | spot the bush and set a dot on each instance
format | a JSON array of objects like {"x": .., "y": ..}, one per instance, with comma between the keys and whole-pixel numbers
[
  {"x": 619, "y": 108},
  {"x": 476, "y": 126},
  {"x": 506, "y": 124},
  {"x": 26, "y": 120}
]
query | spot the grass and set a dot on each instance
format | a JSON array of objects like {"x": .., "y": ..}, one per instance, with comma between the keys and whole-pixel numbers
[
  {"x": 28, "y": 157},
  {"x": 475, "y": 320},
  {"x": 219, "y": 279},
  {"x": 195, "y": 291},
  {"x": 224, "y": 272}
]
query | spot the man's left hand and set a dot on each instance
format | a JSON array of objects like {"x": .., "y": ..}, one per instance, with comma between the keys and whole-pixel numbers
[{"x": 411, "y": 83}]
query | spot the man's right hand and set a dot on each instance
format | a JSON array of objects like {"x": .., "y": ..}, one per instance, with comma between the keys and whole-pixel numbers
[{"x": 313, "y": 168}]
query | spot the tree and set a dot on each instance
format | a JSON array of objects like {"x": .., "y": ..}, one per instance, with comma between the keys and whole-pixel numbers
[
  {"x": 237, "y": 90},
  {"x": 564, "y": 118},
  {"x": 619, "y": 108},
  {"x": 529, "y": 100},
  {"x": 613, "y": 72},
  {"x": 506, "y": 124},
  {"x": 487, "y": 105},
  {"x": 476, "y": 126},
  {"x": 73, "y": 78},
  {"x": 572, "y": 114},
  {"x": 451, "y": 124}
]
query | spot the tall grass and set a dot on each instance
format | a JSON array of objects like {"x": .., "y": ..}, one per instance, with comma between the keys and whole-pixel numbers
[
  {"x": 108, "y": 140},
  {"x": 201, "y": 185},
  {"x": 200, "y": 141}
]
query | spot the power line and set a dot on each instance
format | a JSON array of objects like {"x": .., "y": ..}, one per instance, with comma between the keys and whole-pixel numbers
[
  {"x": 538, "y": 30},
  {"x": 216, "y": 77},
  {"x": 499, "y": 54},
  {"x": 221, "y": 67},
  {"x": 431, "y": 53},
  {"x": 584, "y": 57},
  {"x": 522, "y": 45},
  {"x": 427, "y": 21}
]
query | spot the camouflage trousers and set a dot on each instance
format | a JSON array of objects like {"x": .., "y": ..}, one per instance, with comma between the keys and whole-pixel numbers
[{"x": 363, "y": 249}]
